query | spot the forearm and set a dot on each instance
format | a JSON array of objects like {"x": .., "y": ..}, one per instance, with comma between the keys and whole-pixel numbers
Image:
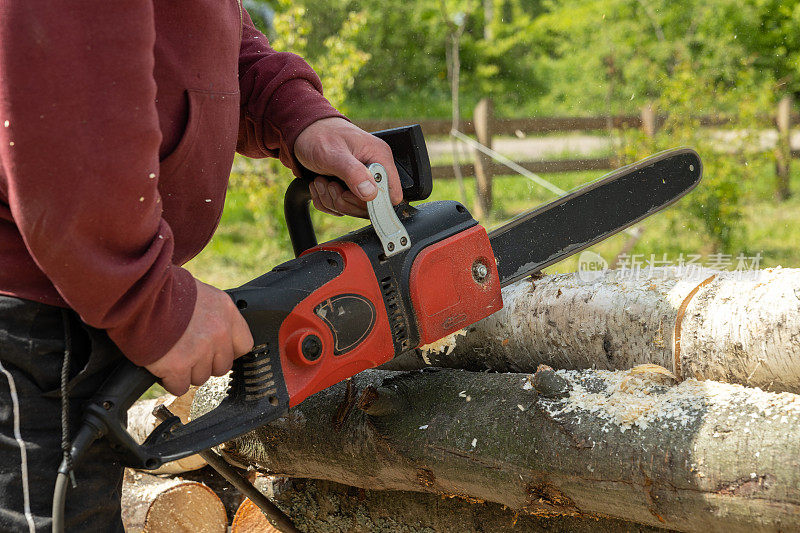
[{"x": 80, "y": 159}]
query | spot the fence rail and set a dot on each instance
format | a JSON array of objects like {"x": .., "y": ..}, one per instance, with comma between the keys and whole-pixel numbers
[
  {"x": 489, "y": 126},
  {"x": 534, "y": 125},
  {"x": 539, "y": 167}
]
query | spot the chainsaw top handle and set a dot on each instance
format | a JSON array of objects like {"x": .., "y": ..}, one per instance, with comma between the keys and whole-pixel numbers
[{"x": 413, "y": 166}]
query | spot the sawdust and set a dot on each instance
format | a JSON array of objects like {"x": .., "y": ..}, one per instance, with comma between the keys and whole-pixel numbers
[
  {"x": 209, "y": 395},
  {"x": 636, "y": 399},
  {"x": 444, "y": 346}
]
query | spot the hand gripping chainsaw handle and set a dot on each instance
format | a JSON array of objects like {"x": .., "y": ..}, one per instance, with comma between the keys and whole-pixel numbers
[
  {"x": 411, "y": 160},
  {"x": 290, "y": 326}
]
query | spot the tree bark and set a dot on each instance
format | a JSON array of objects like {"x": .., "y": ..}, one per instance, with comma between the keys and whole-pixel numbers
[
  {"x": 695, "y": 456},
  {"x": 151, "y": 504},
  {"x": 727, "y": 326},
  {"x": 325, "y": 507}
]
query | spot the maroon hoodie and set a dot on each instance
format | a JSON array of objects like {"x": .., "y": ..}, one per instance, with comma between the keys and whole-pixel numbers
[{"x": 118, "y": 124}]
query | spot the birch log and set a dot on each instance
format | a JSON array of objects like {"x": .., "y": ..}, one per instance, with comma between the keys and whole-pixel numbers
[
  {"x": 325, "y": 507},
  {"x": 737, "y": 327},
  {"x": 152, "y": 504},
  {"x": 695, "y": 456}
]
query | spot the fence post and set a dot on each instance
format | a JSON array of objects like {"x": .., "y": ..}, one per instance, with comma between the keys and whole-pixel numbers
[
  {"x": 783, "y": 151},
  {"x": 482, "y": 120},
  {"x": 649, "y": 121}
]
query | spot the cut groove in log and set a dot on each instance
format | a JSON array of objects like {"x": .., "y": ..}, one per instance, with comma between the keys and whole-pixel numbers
[
  {"x": 739, "y": 327},
  {"x": 676, "y": 335},
  {"x": 151, "y": 504},
  {"x": 694, "y": 456}
]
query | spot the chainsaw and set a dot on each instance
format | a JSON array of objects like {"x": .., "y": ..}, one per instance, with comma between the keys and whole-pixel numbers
[{"x": 415, "y": 275}]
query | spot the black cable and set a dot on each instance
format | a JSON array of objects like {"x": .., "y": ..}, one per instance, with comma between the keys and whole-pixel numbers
[
  {"x": 65, "y": 443},
  {"x": 84, "y": 438},
  {"x": 65, "y": 469}
]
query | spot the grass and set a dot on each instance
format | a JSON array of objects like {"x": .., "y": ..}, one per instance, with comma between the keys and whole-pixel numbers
[{"x": 251, "y": 238}]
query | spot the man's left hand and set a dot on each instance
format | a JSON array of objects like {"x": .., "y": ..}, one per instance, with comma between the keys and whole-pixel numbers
[{"x": 335, "y": 147}]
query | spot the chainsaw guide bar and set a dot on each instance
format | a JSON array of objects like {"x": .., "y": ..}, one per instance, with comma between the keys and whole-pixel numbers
[{"x": 546, "y": 235}]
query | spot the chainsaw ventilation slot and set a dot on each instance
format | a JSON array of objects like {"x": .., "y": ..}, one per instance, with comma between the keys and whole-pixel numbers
[
  {"x": 253, "y": 375},
  {"x": 393, "y": 309}
]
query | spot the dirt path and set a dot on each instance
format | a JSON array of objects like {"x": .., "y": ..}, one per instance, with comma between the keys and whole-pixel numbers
[
  {"x": 530, "y": 148},
  {"x": 581, "y": 145}
]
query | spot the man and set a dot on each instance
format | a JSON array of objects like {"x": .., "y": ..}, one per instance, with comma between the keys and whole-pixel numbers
[{"x": 118, "y": 125}]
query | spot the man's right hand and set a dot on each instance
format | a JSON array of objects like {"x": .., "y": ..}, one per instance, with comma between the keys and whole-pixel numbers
[{"x": 216, "y": 335}]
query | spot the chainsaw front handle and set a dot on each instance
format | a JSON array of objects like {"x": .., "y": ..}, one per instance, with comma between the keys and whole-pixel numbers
[{"x": 413, "y": 166}]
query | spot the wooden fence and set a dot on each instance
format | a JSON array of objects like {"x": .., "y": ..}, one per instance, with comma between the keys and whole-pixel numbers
[{"x": 485, "y": 126}]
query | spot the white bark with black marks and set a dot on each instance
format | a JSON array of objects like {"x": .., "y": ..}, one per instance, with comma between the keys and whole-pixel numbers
[{"x": 726, "y": 326}]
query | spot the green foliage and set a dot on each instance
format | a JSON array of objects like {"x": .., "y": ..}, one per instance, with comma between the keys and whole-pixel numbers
[
  {"x": 614, "y": 56},
  {"x": 382, "y": 58},
  {"x": 337, "y": 57},
  {"x": 262, "y": 184},
  {"x": 403, "y": 61},
  {"x": 715, "y": 207},
  {"x": 769, "y": 32},
  {"x": 408, "y": 42}
]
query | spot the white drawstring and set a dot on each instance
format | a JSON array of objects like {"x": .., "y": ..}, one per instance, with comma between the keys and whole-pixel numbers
[{"x": 26, "y": 498}]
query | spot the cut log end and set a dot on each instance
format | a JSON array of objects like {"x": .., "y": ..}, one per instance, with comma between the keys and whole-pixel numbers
[
  {"x": 191, "y": 507},
  {"x": 154, "y": 505},
  {"x": 250, "y": 519}
]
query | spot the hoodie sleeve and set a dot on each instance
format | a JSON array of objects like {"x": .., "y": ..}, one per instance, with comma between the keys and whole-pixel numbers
[
  {"x": 281, "y": 96},
  {"x": 79, "y": 140}
]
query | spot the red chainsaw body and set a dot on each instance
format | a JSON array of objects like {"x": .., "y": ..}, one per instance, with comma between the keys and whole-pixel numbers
[
  {"x": 444, "y": 289},
  {"x": 329, "y": 313},
  {"x": 349, "y": 313}
]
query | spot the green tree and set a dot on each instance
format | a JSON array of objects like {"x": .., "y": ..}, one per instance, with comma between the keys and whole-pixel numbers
[{"x": 337, "y": 58}]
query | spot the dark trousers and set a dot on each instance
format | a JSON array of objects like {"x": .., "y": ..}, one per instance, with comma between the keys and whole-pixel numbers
[{"x": 32, "y": 344}]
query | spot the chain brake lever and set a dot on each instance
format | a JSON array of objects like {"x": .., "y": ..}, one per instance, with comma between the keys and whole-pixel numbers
[{"x": 391, "y": 232}]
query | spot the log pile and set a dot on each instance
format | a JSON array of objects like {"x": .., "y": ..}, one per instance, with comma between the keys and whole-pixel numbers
[{"x": 672, "y": 406}]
